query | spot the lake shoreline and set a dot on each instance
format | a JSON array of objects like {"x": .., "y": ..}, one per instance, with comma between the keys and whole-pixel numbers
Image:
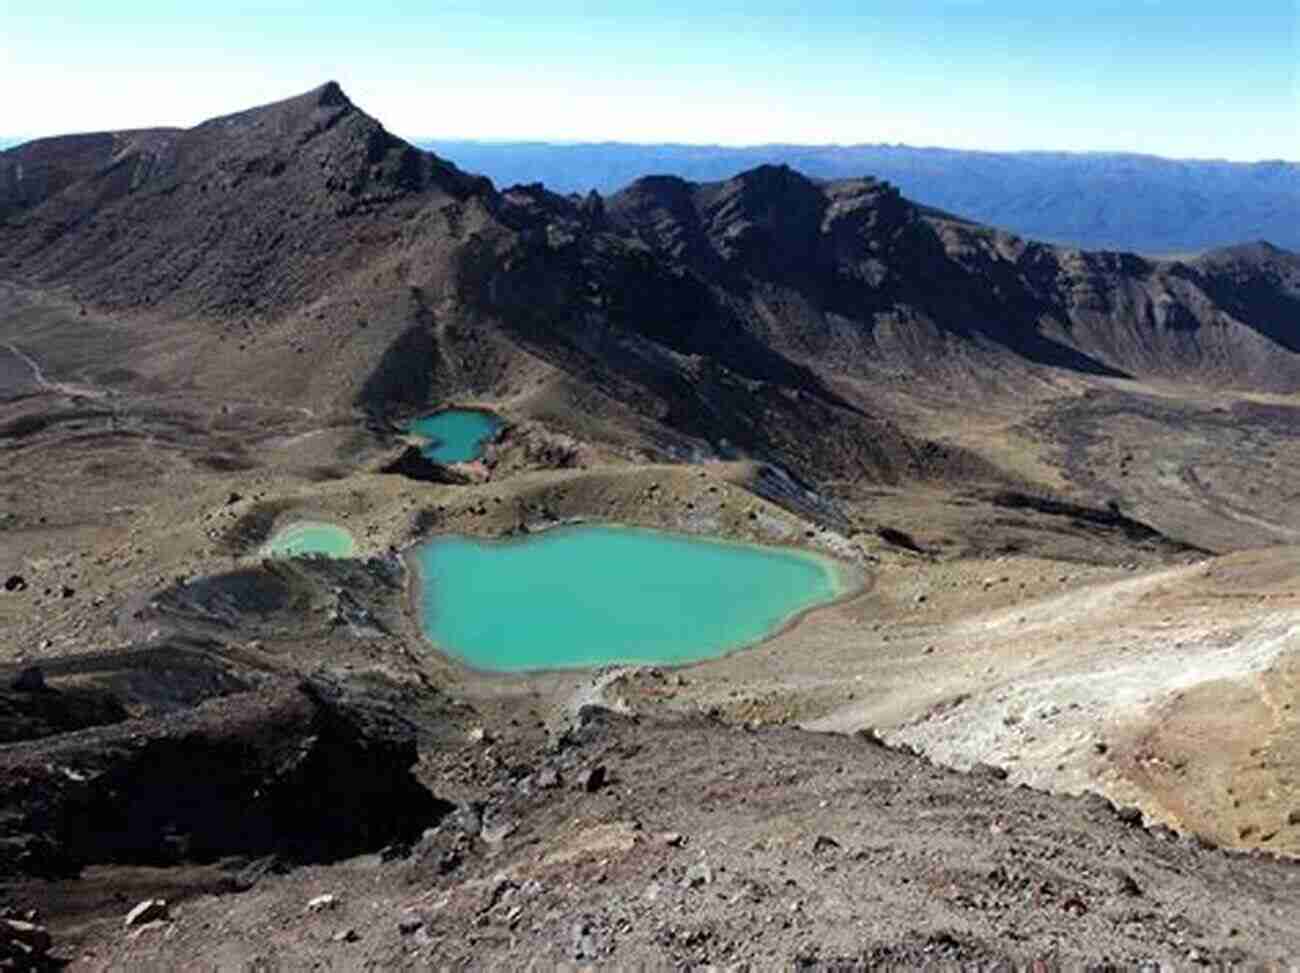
[
  {"x": 847, "y": 581},
  {"x": 290, "y": 532},
  {"x": 452, "y": 445}
]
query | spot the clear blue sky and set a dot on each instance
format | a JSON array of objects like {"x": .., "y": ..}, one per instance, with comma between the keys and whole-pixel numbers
[{"x": 1171, "y": 77}]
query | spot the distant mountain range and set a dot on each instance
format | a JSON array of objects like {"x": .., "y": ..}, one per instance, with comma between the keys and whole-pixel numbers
[
  {"x": 1140, "y": 203},
  {"x": 1098, "y": 201}
]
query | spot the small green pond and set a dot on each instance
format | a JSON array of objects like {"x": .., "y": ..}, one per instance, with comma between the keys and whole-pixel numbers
[
  {"x": 311, "y": 537},
  {"x": 593, "y": 595},
  {"x": 455, "y": 435}
]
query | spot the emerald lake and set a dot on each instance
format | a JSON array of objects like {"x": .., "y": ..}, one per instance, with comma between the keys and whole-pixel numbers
[
  {"x": 456, "y": 435},
  {"x": 575, "y": 597},
  {"x": 311, "y": 537}
]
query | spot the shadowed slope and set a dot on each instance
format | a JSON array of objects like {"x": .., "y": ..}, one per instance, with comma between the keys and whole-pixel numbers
[
  {"x": 1259, "y": 285},
  {"x": 753, "y": 317},
  {"x": 35, "y": 171},
  {"x": 1095, "y": 200},
  {"x": 242, "y": 214},
  {"x": 825, "y": 256}
]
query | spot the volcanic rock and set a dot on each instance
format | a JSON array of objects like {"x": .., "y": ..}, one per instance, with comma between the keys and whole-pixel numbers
[{"x": 150, "y": 910}]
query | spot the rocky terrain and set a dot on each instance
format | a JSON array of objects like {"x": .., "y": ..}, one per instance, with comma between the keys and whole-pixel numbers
[
  {"x": 1095, "y": 200},
  {"x": 1055, "y": 726}
]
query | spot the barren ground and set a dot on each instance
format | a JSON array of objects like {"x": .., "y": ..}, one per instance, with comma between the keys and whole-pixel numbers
[{"x": 1160, "y": 672}]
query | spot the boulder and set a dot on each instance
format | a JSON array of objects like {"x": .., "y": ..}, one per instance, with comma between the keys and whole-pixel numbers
[
  {"x": 410, "y": 923},
  {"x": 499, "y": 831},
  {"x": 824, "y": 843},
  {"x": 988, "y": 771},
  {"x": 698, "y": 874},
  {"x": 1125, "y": 884},
  {"x": 1129, "y": 814},
  {"x": 150, "y": 910},
  {"x": 30, "y": 680},
  {"x": 468, "y": 818},
  {"x": 592, "y": 779}
]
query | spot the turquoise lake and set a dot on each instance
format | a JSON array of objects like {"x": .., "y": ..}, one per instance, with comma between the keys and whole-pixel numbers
[
  {"x": 583, "y": 596},
  {"x": 310, "y": 537},
  {"x": 456, "y": 435}
]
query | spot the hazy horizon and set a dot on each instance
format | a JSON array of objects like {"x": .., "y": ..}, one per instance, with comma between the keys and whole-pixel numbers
[
  {"x": 578, "y": 143},
  {"x": 1178, "y": 80},
  {"x": 9, "y": 141}
]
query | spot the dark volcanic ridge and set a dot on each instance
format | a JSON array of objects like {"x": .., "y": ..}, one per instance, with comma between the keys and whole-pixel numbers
[
  {"x": 1095, "y": 200},
  {"x": 751, "y": 317}
]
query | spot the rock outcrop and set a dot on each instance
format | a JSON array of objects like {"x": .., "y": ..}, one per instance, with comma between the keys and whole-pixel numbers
[{"x": 306, "y": 771}]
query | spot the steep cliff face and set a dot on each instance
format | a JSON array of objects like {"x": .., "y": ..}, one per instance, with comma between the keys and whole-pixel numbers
[
  {"x": 1215, "y": 319},
  {"x": 849, "y": 274}
]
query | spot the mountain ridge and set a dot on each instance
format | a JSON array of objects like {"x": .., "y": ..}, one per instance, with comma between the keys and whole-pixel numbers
[
  {"x": 303, "y": 225},
  {"x": 1135, "y": 201},
  {"x": 1101, "y": 200}
]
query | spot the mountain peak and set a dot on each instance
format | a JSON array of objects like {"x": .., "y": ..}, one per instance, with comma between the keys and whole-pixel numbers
[
  {"x": 331, "y": 94},
  {"x": 770, "y": 173}
]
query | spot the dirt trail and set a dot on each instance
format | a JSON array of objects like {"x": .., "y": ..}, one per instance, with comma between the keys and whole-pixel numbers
[{"x": 39, "y": 378}]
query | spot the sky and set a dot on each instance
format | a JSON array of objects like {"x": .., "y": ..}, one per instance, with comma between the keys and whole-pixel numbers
[{"x": 1183, "y": 78}]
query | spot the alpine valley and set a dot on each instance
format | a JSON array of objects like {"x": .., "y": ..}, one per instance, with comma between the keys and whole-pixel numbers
[{"x": 1043, "y": 706}]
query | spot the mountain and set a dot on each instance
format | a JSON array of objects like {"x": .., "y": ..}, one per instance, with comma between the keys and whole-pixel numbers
[
  {"x": 1114, "y": 201},
  {"x": 1057, "y": 485},
  {"x": 749, "y": 316}
]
